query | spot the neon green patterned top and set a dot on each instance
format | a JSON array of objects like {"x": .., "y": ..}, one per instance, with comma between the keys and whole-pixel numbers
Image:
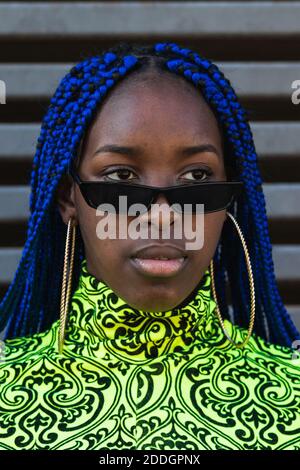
[{"x": 129, "y": 379}]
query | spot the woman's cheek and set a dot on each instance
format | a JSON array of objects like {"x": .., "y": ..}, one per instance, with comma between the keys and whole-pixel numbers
[{"x": 213, "y": 224}]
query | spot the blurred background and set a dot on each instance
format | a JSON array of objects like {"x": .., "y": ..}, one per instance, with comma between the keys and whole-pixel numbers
[{"x": 256, "y": 44}]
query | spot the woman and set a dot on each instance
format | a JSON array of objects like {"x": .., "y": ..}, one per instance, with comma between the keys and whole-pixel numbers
[{"x": 128, "y": 343}]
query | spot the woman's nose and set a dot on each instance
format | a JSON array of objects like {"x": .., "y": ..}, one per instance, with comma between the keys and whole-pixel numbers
[
  {"x": 160, "y": 213},
  {"x": 160, "y": 199}
]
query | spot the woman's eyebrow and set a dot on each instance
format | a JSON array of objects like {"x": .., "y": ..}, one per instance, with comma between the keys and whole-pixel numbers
[
  {"x": 188, "y": 151},
  {"x": 121, "y": 149},
  {"x": 132, "y": 151}
]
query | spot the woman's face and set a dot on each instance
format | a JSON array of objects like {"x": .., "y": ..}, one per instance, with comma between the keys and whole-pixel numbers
[{"x": 156, "y": 121}]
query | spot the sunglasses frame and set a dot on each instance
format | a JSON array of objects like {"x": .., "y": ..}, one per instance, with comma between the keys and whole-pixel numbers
[{"x": 155, "y": 190}]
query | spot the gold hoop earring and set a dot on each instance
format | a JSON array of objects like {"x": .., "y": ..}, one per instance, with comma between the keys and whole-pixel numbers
[
  {"x": 252, "y": 290},
  {"x": 66, "y": 281}
]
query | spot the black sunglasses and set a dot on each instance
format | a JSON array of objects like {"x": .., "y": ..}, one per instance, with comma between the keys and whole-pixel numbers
[{"x": 215, "y": 195}]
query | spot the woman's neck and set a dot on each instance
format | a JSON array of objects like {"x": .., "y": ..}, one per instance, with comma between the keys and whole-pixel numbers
[{"x": 102, "y": 323}]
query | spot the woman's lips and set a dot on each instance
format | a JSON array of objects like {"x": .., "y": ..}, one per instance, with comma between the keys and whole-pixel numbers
[{"x": 159, "y": 267}]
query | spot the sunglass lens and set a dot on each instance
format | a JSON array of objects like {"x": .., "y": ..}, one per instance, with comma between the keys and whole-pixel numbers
[
  {"x": 213, "y": 197},
  {"x": 117, "y": 198}
]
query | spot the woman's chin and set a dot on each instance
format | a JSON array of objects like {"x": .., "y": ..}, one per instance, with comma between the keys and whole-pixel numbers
[{"x": 158, "y": 297}]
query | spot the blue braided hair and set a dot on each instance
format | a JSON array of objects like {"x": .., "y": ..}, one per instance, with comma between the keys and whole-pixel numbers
[{"x": 31, "y": 303}]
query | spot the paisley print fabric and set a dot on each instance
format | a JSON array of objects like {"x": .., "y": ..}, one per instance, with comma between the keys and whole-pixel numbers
[{"x": 129, "y": 379}]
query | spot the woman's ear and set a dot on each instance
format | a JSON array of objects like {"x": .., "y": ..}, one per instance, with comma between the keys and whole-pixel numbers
[{"x": 65, "y": 199}]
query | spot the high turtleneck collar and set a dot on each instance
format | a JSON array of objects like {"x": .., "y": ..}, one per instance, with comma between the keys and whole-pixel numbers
[{"x": 100, "y": 323}]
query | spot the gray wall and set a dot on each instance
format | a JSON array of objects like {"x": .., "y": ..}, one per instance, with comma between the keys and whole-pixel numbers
[{"x": 257, "y": 45}]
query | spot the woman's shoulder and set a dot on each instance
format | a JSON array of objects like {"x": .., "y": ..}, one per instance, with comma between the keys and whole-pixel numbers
[
  {"x": 26, "y": 347},
  {"x": 261, "y": 349}
]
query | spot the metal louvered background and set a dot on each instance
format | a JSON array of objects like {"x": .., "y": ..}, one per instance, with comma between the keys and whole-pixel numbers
[{"x": 257, "y": 45}]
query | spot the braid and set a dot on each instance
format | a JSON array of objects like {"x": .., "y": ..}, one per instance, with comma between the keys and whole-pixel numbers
[
  {"x": 29, "y": 305},
  {"x": 275, "y": 323},
  {"x": 69, "y": 113}
]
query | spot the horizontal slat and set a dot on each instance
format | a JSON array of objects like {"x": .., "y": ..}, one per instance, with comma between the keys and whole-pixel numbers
[
  {"x": 18, "y": 140},
  {"x": 32, "y": 80},
  {"x": 9, "y": 259},
  {"x": 99, "y": 19},
  {"x": 271, "y": 139},
  {"x": 262, "y": 80},
  {"x": 286, "y": 261},
  {"x": 14, "y": 203},
  {"x": 277, "y": 139},
  {"x": 282, "y": 201},
  {"x": 249, "y": 79}
]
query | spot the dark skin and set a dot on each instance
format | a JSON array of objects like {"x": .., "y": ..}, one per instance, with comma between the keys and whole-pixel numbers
[{"x": 160, "y": 119}]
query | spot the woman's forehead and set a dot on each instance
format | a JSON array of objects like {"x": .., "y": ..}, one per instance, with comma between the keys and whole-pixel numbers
[{"x": 150, "y": 113}]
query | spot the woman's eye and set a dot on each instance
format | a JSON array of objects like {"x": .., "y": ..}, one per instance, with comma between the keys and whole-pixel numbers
[
  {"x": 121, "y": 174},
  {"x": 198, "y": 174}
]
